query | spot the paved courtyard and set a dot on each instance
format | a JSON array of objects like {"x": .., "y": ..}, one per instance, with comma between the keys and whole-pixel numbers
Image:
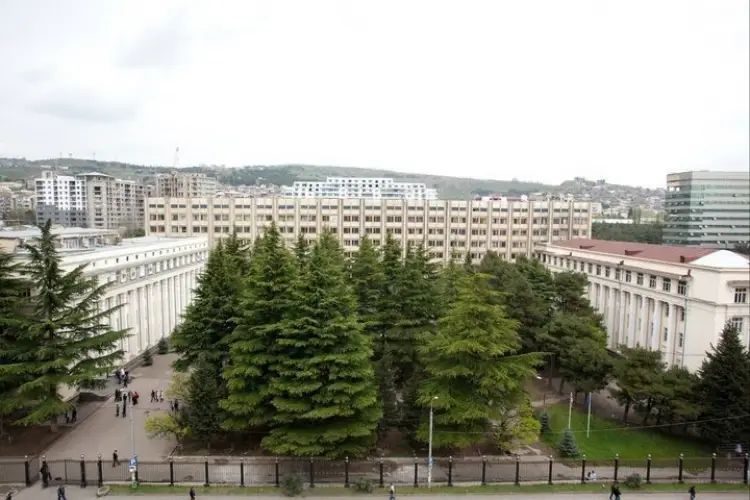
[{"x": 102, "y": 432}]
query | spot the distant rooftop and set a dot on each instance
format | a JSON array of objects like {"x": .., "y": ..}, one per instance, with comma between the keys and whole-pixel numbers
[
  {"x": 33, "y": 232},
  {"x": 709, "y": 257}
]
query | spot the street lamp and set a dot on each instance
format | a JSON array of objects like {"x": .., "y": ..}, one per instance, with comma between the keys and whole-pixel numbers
[{"x": 429, "y": 446}]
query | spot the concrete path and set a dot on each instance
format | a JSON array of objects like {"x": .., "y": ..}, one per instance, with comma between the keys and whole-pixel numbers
[{"x": 102, "y": 432}]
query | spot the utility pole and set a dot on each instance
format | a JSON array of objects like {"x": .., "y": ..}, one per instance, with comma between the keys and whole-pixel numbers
[{"x": 429, "y": 451}]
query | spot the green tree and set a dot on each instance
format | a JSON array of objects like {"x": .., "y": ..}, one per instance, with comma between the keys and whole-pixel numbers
[
  {"x": 65, "y": 340},
  {"x": 473, "y": 371},
  {"x": 580, "y": 346},
  {"x": 302, "y": 251},
  {"x": 264, "y": 304},
  {"x": 447, "y": 284},
  {"x": 569, "y": 294},
  {"x": 368, "y": 281},
  {"x": 386, "y": 394},
  {"x": 725, "y": 390},
  {"x": 204, "y": 391},
  {"x": 675, "y": 397},
  {"x": 637, "y": 232},
  {"x": 389, "y": 306},
  {"x": 516, "y": 428},
  {"x": 323, "y": 387},
  {"x": 636, "y": 372},
  {"x": 567, "y": 446},
  {"x": 544, "y": 426}
]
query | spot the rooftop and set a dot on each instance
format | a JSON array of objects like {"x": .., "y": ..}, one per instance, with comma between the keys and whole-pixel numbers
[
  {"x": 33, "y": 232},
  {"x": 709, "y": 257}
]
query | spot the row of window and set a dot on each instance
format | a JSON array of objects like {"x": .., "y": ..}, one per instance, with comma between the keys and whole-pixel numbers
[{"x": 262, "y": 205}]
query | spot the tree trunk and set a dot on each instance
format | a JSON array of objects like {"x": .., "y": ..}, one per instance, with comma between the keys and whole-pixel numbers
[
  {"x": 551, "y": 371},
  {"x": 625, "y": 413},
  {"x": 562, "y": 385}
]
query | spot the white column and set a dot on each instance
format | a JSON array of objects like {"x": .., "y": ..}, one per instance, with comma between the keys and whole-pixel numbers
[
  {"x": 172, "y": 302},
  {"x": 151, "y": 311},
  {"x": 133, "y": 323}
]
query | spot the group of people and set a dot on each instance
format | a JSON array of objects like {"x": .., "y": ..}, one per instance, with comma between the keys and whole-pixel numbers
[{"x": 123, "y": 377}]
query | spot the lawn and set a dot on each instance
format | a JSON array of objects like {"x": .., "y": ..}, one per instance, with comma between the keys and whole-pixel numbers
[
  {"x": 149, "y": 489},
  {"x": 609, "y": 437}
]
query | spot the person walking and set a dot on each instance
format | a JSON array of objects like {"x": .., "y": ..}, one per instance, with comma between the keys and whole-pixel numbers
[
  {"x": 115, "y": 459},
  {"x": 192, "y": 493},
  {"x": 392, "y": 492},
  {"x": 161, "y": 395},
  {"x": 73, "y": 414},
  {"x": 61, "y": 493},
  {"x": 46, "y": 476},
  {"x": 692, "y": 492},
  {"x": 614, "y": 492}
]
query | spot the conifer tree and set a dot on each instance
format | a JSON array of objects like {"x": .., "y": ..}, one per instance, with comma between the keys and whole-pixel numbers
[
  {"x": 323, "y": 388},
  {"x": 264, "y": 304},
  {"x": 367, "y": 280},
  {"x": 204, "y": 391},
  {"x": 725, "y": 391},
  {"x": 302, "y": 251},
  {"x": 12, "y": 288},
  {"x": 472, "y": 366},
  {"x": 386, "y": 394},
  {"x": 389, "y": 296},
  {"x": 567, "y": 446},
  {"x": 65, "y": 340}
]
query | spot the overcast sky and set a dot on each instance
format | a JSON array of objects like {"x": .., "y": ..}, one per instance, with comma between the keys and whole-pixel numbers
[{"x": 540, "y": 90}]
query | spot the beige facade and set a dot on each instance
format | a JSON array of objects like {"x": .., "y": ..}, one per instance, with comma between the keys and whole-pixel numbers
[
  {"x": 185, "y": 185},
  {"x": 508, "y": 227}
]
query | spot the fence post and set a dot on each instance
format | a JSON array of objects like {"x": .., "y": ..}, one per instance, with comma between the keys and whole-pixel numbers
[
  {"x": 205, "y": 471},
  {"x": 416, "y": 473},
  {"x": 312, "y": 474},
  {"x": 99, "y": 471},
  {"x": 682, "y": 464},
  {"x": 745, "y": 470},
  {"x": 648, "y": 469},
  {"x": 346, "y": 472},
  {"x": 83, "y": 473},
  {"x": 713, "y": 468},
  {"x": 450, "y": 471},
  {"x": 518, "y": 470},
  {"x": 242, "y": 473},
  {"x": 26, "y": 471},
  {"x": 381, "y": 472},
  {"x": 549, "y": 475},
  {"x": 276, "y": 471},
  {"x": 171, "y": 471},
  {"x": 583, "y": 469},
  {"x": 484, "y": 470},
  {"x": 617, "y": 465}
]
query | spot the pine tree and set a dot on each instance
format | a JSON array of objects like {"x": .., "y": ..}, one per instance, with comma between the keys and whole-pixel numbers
[
  {"x": 302, "y": 251},
  {"x": 389, "y": 297},
  {"x": 567, "y": 446},
  {"x": 386, "y": 394},
  {"x": 725, "y": 391},
  {"x": 367, "y": 280},
  {"x": 472, "y": 367},
  {"x": 264, "y": 304},
  {"x": 209, "y": 319},
  {"x": 203, "y": 415},
  {"x": 544, "y": 427},
  {"x": 324, "y": 390},
  {"x": 66, "y": 340}
]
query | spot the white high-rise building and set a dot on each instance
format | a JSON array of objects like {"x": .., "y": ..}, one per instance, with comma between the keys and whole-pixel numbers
[
  {"x": 360, "y": 187},
  {"x": 92, "y": 200},
  {"x": 185, "y": 185}
]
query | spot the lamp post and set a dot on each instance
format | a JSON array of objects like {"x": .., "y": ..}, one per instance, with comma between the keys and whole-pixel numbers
[{"x": 429, "y": 445}]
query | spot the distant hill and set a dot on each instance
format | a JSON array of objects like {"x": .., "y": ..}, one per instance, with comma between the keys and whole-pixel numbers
[{"x": 448, "y": 187}]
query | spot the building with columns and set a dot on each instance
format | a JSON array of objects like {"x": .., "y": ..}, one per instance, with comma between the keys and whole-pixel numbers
[{"x": 668, "y": 298}]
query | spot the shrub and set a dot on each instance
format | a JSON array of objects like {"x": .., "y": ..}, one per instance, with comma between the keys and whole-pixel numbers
[
  {"x": 567, "y": 445},
  {"x": 544, "y": 422},
  {"x": 363, "y": 485},
  {"x": 162, "y": 347},
  {"x": 147, "y": 358},
  {"x": 291, "y": 486},
  {"x": 633, "y": 481}
]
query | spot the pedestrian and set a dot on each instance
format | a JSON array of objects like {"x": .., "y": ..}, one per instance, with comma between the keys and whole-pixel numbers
[
  {"x": 118, "y": 395},
  {"x": 614, "y": 492},
  {"x": 692, "y": 492},
  {"x": 392, "y": 492},
  {"x": 44, "y": 472},
  {"x": 117, "y": 410},
  {"x": 9, "y": 496},
  {"x": 115, "y": 459},
  {"x": 192, "y": 493},
  {"x": 176, "y": 405},
  {"x": 153, "y": 396},
  {"x": 61, "y": 493},
  {"x": 73, "y": 414},
  {"x": 161, "y": 395}
]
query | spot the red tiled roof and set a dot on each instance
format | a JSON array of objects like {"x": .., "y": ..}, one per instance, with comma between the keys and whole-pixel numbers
[{"x": 663, "y": 253}]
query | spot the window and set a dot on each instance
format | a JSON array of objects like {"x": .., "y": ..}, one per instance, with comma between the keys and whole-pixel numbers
[
  {"x": 666, "y": 284},
  {"x": 606, "y": 272},
  {"x": 682, "y": 314},
  {"x": 680, "y": 340},
  {"x": 639, "y": 278},
  {"x": 740, "y": 295},
  {"x": 598, "y": 270},
  {"x": 652, "y": 281},
  {"x": 682, "y": 287},
  {"x": 617, "y": 273},
  {"x": 591, "y": 268},
  {"x": 628, "y": 276},
  {"x": 666, "y": 333},
  {"x": 737, "y": 323}
]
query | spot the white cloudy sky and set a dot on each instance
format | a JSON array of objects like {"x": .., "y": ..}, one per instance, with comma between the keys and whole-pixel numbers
[{"x": 541, "y": 90}]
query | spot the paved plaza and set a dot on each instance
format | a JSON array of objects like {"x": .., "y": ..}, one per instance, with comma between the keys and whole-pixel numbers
[{"x": 102, "y": 432}]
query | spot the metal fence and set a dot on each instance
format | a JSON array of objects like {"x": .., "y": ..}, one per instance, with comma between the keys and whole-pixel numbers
[{"x": 445, "y": 471}]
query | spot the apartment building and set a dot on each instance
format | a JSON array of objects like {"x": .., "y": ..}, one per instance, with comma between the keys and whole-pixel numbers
[
  {"x": 707, "y": 209},
  {"x": 360, "y": 187},
  {"x": 91, "y": 200},
  {"x": 151, "y": 279},
  {"x": 185, "y": 185},
  {"x": 668, "y": 298},
  {"x": 507, "y": 226}
]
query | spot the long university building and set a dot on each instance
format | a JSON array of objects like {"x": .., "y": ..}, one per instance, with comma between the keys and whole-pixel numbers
[{"x": 509, "y": 227}]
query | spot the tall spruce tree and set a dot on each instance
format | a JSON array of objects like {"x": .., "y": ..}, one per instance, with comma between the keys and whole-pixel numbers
[
  {"x": 65, "y": 340},
  {"x": 264, "y": 304},
  {"x": 323, "y": 388},
  {"x": 209, "y": 319},
  {"x": 389, "y": 297},
  {"x": 473, "y": 370},
  {"x": 725, "y": 391},
  {"x": 204, "y": 391},
  {"x": 302, "y": 251},
  {"x": 367, "y": 280}
]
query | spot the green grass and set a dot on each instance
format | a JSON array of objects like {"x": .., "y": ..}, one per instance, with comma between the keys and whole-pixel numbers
[
  {"x": 153, "y": 489},
  {"x": 609, "y": 437}
]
